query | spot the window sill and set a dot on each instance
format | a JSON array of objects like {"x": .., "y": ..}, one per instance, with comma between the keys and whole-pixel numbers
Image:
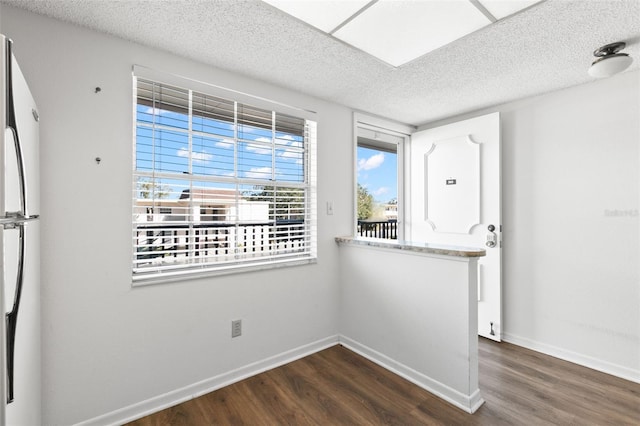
[{"x": 180, "y": 276}]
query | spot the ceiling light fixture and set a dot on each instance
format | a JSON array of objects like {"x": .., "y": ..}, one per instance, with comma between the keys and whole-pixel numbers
[
  {"x": 398, "y": 32},
  {"x": 609, "y": 61}
]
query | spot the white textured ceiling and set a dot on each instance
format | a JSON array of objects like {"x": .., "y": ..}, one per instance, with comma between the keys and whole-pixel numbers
[{"x": 544, "y": 48}]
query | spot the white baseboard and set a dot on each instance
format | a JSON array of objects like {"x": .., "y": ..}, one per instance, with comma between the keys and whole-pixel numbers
[
  {"x": 574, "y": 357},
  {"x": 135, "y": 411},
  {"x": 468, "y": 403},
  {"x": 186, "y": 393}
]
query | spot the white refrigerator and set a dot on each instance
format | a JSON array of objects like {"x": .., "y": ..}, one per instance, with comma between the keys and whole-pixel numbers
[{"x": 20, "y": 391}]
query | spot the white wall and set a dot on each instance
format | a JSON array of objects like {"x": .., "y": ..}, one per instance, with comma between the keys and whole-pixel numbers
[
  {"x": 106, "y": 345},
  {"x": 571, "y": 283},
  {"x": 571, "y": 277},
  {"x": 416, "y": 314}
]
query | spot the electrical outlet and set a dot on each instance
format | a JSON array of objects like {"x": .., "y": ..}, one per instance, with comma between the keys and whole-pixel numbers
[{"x": 236, "y": 328}]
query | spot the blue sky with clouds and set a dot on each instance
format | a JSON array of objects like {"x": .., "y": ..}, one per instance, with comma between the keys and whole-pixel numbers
[
  {"x": 163, "y": 136},
  {"x": 213, "y": 154},
  {"x": 377, "y": 172}
]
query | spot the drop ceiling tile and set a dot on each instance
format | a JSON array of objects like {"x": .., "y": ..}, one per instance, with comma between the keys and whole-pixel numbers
[
  {"x": 323, "y": 14},
  {"x": 399, "y": 31},
  {"x": 503, "y": 8}
]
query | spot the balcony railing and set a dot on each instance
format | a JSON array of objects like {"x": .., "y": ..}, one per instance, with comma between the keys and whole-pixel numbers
[
  {"x": 159, "y": 240},
  {"x": 387, "y": 229}
]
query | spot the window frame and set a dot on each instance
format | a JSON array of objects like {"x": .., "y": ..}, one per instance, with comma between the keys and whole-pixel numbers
[
  {"x": 308, "y": 251},
  {"x": 385, "y": 135}
]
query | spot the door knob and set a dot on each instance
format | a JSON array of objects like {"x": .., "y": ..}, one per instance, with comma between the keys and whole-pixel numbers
[{"x": 492, "y": 238}]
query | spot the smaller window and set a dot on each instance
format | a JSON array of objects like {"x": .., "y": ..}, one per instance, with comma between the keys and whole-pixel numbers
[{"x": 379, "y": 183}]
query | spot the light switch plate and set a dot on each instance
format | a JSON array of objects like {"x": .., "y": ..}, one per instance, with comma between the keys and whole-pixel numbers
[{"x": 329, "y": 208}]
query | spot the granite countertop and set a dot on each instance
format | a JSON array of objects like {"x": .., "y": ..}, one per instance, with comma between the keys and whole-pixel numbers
[{"x": 440, "y": 249}]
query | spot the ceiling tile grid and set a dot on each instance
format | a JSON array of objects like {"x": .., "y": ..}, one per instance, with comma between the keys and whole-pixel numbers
[{"x": 399, "y": 31}]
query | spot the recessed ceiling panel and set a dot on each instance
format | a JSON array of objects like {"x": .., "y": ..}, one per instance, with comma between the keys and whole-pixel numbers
[
  {"x": 323, "y": 14},
  {"x": 503, "y": 8},
  {"x": 400, "y": 31}
]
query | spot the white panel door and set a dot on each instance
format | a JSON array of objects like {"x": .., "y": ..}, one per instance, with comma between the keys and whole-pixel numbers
[{"x": 455, "y": 200}]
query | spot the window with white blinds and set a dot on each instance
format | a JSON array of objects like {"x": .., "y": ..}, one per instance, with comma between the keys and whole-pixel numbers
[{"x": 218, "y": 185}]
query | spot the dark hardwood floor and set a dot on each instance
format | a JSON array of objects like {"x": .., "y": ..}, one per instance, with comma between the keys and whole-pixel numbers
[{"x": 339, "y": 387}]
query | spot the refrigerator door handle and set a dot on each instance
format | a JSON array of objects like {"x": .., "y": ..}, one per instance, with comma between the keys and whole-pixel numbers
[
  {"x": 13, "y": 125},
  {"x": 12, "y": 219},
  {"x": 12, "y": 316}
]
